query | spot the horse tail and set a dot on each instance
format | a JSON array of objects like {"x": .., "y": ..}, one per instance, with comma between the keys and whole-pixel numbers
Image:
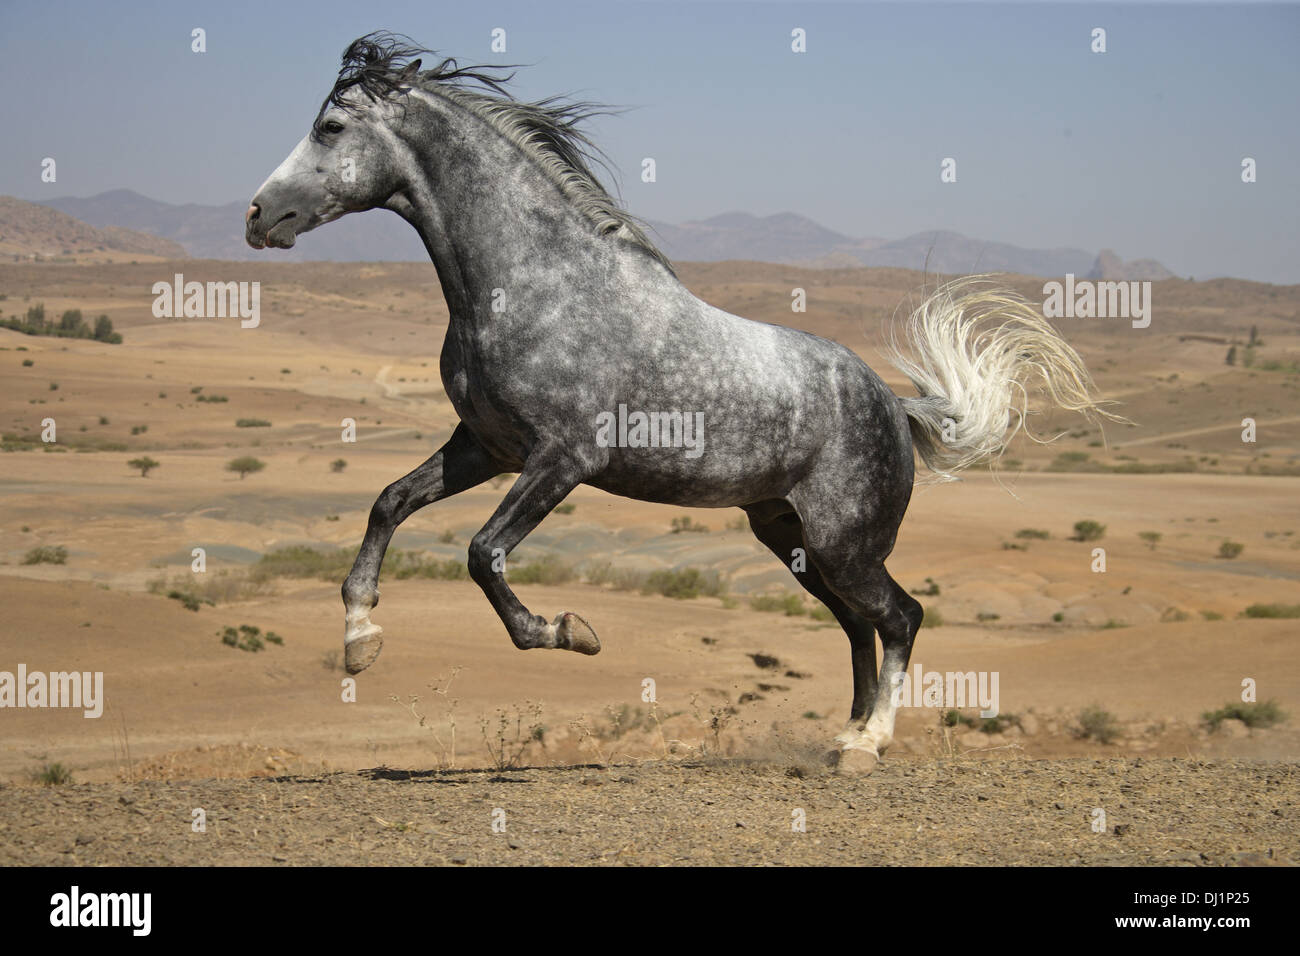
[{"x": 977, "y": 351}]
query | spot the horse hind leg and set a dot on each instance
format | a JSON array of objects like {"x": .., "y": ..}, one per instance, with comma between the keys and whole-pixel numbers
[
  {"x": 851, "y": 561},
  {"x": 778, "y": 527}
]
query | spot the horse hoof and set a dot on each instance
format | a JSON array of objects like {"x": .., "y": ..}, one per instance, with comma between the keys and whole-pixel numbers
[
  {"x": 574, "y": 634},
  {"x": 361, "y": 647},
  {"x": 856, "y": 762}
]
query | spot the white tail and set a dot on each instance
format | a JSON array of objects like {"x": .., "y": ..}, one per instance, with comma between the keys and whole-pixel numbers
[{"x": 979, "y": 350}]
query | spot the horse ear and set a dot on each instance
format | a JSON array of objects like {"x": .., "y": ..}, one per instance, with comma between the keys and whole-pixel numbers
[{"x": 409, "y": 71}]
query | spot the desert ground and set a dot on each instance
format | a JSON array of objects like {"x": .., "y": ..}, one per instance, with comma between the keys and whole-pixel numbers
[{"x": 1104, "y": 678}]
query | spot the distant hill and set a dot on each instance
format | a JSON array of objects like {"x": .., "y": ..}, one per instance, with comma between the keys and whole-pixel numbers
[
  {"x": 32, "y": 229},
  {"x": 796, "y": 240},
  {"x": 784, "y": 237},
  {"x": 217, "y": 232},
  {"x": 1111, "y": 266}
]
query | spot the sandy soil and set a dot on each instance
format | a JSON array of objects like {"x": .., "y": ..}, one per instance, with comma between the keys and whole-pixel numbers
[{"x": 1157, "y": 640}]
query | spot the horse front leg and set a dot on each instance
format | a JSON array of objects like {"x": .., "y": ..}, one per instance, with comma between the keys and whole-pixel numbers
[
  {"x": 458, "y": 465},
  {"x": 547, "y": 477}
]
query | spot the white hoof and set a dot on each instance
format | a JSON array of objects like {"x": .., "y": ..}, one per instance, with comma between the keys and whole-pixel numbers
[
  {"x": 857, "y": 762},
  {"x": 361, "y": 645},
  {"x": 574, "y": 634}
]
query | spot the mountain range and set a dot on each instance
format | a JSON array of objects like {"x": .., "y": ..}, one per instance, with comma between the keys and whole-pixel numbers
[{"x": 216, "y": 232}]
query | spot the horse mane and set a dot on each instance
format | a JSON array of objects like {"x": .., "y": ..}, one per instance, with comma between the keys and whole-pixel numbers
[{"x": 384, "y": 65}]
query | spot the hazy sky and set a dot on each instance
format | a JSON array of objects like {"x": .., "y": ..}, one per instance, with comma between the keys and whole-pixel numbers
[{"x": 1138, "y": 149}]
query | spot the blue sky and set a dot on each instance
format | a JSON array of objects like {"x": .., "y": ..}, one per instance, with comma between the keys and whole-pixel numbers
[{"x": 1137, "y": 149}]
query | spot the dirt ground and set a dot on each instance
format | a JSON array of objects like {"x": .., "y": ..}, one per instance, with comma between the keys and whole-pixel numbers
[
  {"x": 909, "y": 812},
  {"x": 746, "y": 699}
]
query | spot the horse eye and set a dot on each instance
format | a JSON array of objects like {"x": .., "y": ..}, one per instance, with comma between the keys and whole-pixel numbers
[{"x": 333, "y": 126}]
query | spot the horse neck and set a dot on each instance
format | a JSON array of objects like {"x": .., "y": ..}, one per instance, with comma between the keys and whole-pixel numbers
[{"x": 483, "y": 209}]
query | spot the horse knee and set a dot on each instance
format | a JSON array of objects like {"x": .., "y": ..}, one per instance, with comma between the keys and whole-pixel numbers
[
  {"x": 912, "y": 610},
  {"x": 386, "y": 507},
  {"x": 481, "y": 561}
]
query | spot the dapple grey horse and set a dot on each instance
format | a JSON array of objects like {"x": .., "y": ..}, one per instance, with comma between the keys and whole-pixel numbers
[{"x": 563, "y": 315}]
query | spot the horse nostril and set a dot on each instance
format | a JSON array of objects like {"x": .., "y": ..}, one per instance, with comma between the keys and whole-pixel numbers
[{"x": 254, "y": 210}]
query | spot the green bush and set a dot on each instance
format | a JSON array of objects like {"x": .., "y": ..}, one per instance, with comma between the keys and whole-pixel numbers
[
  {"x": 245, "y": 465},
  {"x": 188, "y": 601},
  {"x": 1230, "y": 549},
  {"x": 1273, "y": 610},
  {"x": 1263, "y": 714},
  {"x": 683, "y": 584},
  {"x": 546, "y": 570},
  {"x": 143, "y": 465},
  {"x": 1088, "y": 530},
  {"x": 248, "y": 638},
  {"x": 52, "y": 775},
  {"x": 1099, "y": 725},
  {"x": 686, "y": 523},
  {"x": 46, "y": 554},
  {"x": 789, "y": 604}
]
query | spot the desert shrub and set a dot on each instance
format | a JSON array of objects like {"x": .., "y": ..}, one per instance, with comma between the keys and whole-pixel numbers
[
  {"x": 686, "y": 523},
  {"x": 996, "y": 725},
  {"x": 789, "y": 604},
  {"x": 684, "y": 583},
  {"x": 248, "y": 638},
  {"x": 621, "y": 579},
  {"x": 1034, "y": 533},
  {"x": 545, "y": 570},
  {"x": 932, "y": 618},
  {"x": 567, "y": 508},
  {"x": 52, "y": 775},
  {"x": 189, "y": 601},
  {"x": 245, "y": 465},
  {"x": 1230, "y": 549},
  {"x": 1263, "y": 714},
  {"x": 45, "y": 554},
  {"x": 299, "y": 561},
  {"x": 221, "y": 587},
  {"x": 1152, "y": 538},
  {"x": 931, "y": 588},
  {"x": 1097, "y": 724},
  {"x": 144, "y": 465},
  {"x": 338, "y": 464},
  {"x": 252, "y": 423},
  {"x": 1089, "y": 530},
  {"x": 1272, "y": 610}
]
